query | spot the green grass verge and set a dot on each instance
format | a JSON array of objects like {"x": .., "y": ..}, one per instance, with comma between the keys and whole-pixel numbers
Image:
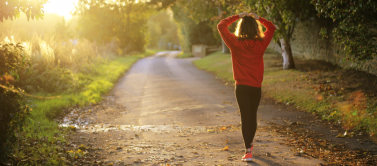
[
  {"x": 184, "y": 55},
  {"x": 218, "y": 63},
  {"x": 42, "y": 129},
  {"x": 304, "y": 90}
]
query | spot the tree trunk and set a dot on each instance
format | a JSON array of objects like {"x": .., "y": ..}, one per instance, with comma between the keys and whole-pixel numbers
[
  {"x": 226, "y": 50},
  {"x": 225, "y": 47},
  {"x": 286, "y": 53}
]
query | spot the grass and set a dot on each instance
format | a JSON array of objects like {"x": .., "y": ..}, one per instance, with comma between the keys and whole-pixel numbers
[
  {"x": 218, "y": 63},
  {"x": 44, "y": 134},
  {"x": 344, "y": 97},
  {"x": 185, "y": 55}
]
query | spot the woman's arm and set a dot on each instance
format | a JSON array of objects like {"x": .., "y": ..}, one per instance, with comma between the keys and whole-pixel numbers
[
  {"x": 223, "y": 29},
  {"x": 269, "y": 32}
]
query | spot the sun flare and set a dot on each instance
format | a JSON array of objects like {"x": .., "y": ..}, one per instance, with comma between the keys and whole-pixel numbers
[{"x": 61, "y": 8}]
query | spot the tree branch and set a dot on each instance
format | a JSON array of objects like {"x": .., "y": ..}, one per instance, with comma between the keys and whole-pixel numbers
[{"x": 293, "y": 29}]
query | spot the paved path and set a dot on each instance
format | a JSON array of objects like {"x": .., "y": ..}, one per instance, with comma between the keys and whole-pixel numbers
[{"x": 166, "y": 111}]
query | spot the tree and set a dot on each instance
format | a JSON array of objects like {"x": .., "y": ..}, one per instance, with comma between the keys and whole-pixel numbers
[
  {"x": 355, "y": 25},
  {"x": 207, "y": 11},
  {"x": 191, "y": 32},
  {"x": 162, "y": 29},
  {"x": 197, "y": 20},
  {"x": 161, "y": 4},
  {"x": 12, "y": 9},
  {"x": 285, "y": 14},
  {"x": 125, "y": 20},
  {"x": 62, "y": 29}
]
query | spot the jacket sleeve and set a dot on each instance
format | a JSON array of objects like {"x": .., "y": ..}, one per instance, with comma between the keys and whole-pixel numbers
[
  {"x": 224, "y": 32},
  {"x": 269, "y": 32}
]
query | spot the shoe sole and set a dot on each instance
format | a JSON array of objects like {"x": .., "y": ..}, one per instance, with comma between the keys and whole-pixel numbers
[{"x": 247, "y": 159}]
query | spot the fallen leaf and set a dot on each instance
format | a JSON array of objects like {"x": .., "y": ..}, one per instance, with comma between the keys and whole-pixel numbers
[{"x": 226, "y": 148}]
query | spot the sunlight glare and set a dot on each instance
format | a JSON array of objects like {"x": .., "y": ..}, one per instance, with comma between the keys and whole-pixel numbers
[{"x": 61, "y": 8}]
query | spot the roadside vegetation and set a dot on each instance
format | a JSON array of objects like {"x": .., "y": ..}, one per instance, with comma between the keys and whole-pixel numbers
[
  {"x": 185, "y": 55},
  {"x": 55, "y": 74},
  {"x": 344, "y": 97},
  {"x": 47, "y": 66}
]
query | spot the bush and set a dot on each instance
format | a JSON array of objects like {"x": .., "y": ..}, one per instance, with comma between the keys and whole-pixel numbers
[
  {"x": 13, "y": 113},
  {"x": 12, "y": 60}
]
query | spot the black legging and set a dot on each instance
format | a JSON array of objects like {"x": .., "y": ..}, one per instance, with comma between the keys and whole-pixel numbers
[{"x": 248, "y": 99}]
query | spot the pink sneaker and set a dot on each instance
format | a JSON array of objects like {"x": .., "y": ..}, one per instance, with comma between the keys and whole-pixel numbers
[{"x": 247, "y": 157}]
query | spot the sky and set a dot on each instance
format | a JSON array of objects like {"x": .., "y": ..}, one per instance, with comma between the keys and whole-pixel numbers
[{"x": 60, "y": 7}]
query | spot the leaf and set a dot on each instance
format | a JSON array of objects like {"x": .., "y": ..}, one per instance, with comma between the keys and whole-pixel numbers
[
  {"x": 339, "y": 135},
  {"x": 226, "y": 148}
]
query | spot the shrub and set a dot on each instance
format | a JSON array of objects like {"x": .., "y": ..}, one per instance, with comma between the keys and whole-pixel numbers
[
  {"x": 12, "y": 59},
  {"x": 13, "y": 111}
]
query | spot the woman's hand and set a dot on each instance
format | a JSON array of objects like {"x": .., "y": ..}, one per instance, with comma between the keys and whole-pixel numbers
[
  {"x": 256, "y": 16},
  {"x": 243, "y": 14}
]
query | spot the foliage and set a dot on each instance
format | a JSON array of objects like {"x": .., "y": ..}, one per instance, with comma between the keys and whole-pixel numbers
[
  {"x": 191, "y": 29},
  {"x": 52, "y": 62},
  {"x": 13, "y": 113},
  {"x": 184, "y": 55},
  {"x": 191, "y": 32},
  {"x": 23, "y": 29},
  {"x": 62, "y": 29},
  {"x": 354, "y": 26},
  {"x": 125, "y": 20},
  {"x": 207, "y": 12},
  {"x": 162, "y": 30},
  {"x": 12, "y": 59},
  {"x": 11, "y": 9},
  {"x": 43, "y": 134},
  {"x": 285, "y": 14},
  {"x": 161, "y": 4}
]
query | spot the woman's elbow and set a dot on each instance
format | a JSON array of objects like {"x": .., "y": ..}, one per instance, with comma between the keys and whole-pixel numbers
[{"x": 219, "y": 25}]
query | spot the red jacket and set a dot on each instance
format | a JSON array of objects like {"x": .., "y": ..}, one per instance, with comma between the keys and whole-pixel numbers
[{"x": 247, "y": 55}]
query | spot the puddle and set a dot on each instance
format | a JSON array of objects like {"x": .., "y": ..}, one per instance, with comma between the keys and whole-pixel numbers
[
  {"x": 141, "y": 128},
  {"x": 75, "y": 118}
]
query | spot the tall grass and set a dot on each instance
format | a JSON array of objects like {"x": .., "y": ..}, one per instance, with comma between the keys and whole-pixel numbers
[{"x": 54, "y": 59}]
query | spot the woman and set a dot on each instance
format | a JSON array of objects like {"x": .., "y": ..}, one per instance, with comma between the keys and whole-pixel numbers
[{"x": 247, "y": 47}]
